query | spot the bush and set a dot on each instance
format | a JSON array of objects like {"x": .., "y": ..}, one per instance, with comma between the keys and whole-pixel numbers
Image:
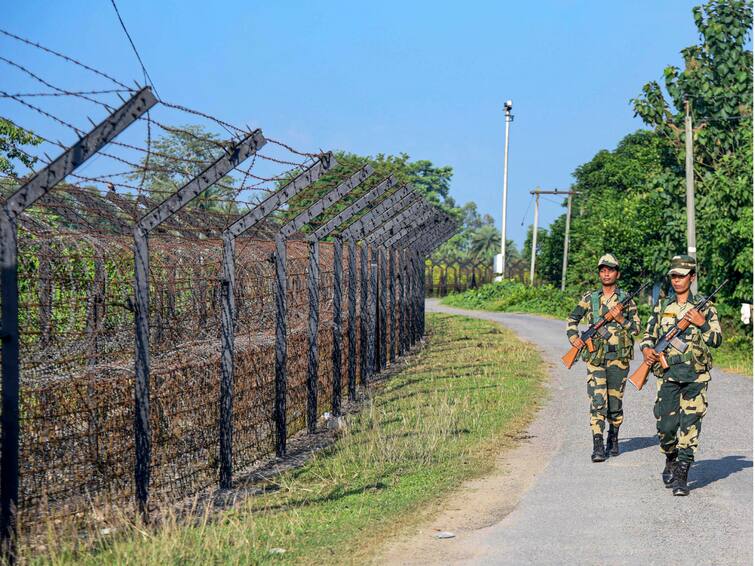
[{"x": 513, "y": 296}]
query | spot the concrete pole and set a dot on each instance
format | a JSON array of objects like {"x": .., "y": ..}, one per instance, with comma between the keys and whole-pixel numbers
[
  {"x": 534, "y": 241},
  {"x": 507, "y": 109},
  {"x": 566, "y": 242},
  {"x": 690, "y": 174}
]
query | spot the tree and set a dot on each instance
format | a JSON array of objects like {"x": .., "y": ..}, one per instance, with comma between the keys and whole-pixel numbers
[
  {"x": 484, "y": 242},
  {"x": 632, "y": 200},
  {"x": 178, "y": 157},
  {"x": 717, "y": 84},
  {"x": 716, "y": 80},
  {"x": 12, "y": 140}
]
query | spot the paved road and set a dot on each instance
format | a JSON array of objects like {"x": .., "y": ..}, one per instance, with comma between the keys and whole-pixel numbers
[{"x": 618, "y": 512}]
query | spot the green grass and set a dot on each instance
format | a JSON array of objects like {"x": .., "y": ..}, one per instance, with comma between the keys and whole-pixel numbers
[
  {"x": 735, "y": 354},
  {"x": 513, "y": 296},
  {"x": 422, "y": 433}
]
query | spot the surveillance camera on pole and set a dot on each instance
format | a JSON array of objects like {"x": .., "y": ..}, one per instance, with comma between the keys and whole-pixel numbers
[{"x": 500, "y": 260}]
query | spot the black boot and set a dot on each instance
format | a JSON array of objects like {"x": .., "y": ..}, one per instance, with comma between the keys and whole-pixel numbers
[
  {"x": 668, "y": 472},
  {"x": 598, "y": 452},
  {"x": 612, "y": 441},
  {"x": 680, "y": 478}
]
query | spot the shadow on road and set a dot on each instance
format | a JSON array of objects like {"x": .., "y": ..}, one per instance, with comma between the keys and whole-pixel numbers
[
  {"x": 637, "y": 443},
  {"x": 706, "y": 472}
]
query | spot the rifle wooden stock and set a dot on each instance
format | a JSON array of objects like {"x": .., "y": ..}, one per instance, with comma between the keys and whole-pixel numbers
[
  {"x": 640, "y": 376},
  {"x": 570, "y": 357},
  {"x": 683, "y": 325}
]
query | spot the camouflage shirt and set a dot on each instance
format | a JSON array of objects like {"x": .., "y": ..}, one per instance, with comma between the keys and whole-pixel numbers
[
  {"x": 620, "y": 335},
  {"x": 695, "y": 363}
]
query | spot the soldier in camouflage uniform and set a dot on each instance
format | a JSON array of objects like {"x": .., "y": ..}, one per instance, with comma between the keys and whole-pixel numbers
[
  {"x": 608, "y": 365},
  {"x": 681, "y": 401}
]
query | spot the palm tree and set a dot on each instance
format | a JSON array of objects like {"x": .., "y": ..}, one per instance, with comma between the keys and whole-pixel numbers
[{"x": 484, "y": 242}]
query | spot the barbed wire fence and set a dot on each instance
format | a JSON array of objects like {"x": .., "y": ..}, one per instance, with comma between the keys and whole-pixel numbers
[
  {"x": 444, "y": 275},
  {"x": 172, "y": 315}
]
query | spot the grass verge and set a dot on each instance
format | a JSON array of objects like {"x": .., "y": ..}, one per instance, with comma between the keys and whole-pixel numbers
[
  {"x": 734, "y": 355},
  {"x": 421, "y": 434}
]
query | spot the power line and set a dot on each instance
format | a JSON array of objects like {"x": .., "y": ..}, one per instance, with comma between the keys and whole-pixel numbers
[
  {"x": 528, "y": 209},
  {"x": 147, "y": 78}
]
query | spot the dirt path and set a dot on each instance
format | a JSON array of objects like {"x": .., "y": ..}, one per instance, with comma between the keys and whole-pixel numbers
[{"x": 548, "y": 504}]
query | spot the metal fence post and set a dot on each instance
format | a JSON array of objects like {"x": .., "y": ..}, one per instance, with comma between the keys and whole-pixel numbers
[
  {"x": 392, "y": 303},
  {"x": 421, "y": 297},
  {"x": 382, "y": 312},
  {"x": 352, "y": 320},
  {"x": 10, "y": 364},
  {"x": 313, "y": 281},
  {"x": 337, "y": 325},
  {"x": 142, "y": 441},
  {"x": 233, "y": 157},
  {"x": 280, "y": 344},
  {"x": 40, "y": 184},
  {"x": 227, "y": 353},
  {"x": 363, "y": 313},
  {"x": 372, "y": 364},
  {"x": 246, "y": 222},
  {"x": 401, "y": 302},
  {"x": 417, "y": 291}
]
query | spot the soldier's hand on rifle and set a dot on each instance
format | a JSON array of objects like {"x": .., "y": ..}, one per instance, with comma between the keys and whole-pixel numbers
[
  {"x": 695, "y": 317},
  {"x": 576, "y": 341},
  {"x": 650, "y": 356},
  {"x": 615, "y": 314}
]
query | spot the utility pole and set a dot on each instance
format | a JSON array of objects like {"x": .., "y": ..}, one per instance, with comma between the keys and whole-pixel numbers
[
  {"x": 508, "y": 105},
  {"x": 537, "y": 193},
  {"x": 534, "y": 238},
  {"x": 566, "y": 241},
  {"x": 690, "y": 174}
]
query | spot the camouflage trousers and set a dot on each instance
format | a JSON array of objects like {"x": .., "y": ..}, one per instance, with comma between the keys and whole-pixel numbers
[
  {"x": 605, "y": 388},
  {"x": 679, "y": 411}
]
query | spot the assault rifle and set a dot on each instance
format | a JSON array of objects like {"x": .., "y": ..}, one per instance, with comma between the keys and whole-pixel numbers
[
  {"x": 596, "y": 328},
  {"x": 672, "y": 338}
]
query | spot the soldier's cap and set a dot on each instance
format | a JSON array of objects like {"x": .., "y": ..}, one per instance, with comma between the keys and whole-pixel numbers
[
  {"x": 682, "y": 265},
  {"x": 609, "y": 260}
]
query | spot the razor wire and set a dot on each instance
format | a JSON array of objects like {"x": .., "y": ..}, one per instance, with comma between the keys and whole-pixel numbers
[{"x": 76, "y": 308}]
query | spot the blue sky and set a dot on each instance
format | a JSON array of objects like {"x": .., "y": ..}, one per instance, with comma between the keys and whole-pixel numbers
[{"x": 425, "y": 78}]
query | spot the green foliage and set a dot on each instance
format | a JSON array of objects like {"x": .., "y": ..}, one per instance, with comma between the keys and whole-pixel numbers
[
  {"x": 484, "y": 242},
  {"x": 432, "y": 182},
  {"x": 717, "y": 84},
  {"x": 178, "y": 157},
  {"x": 12, "y": 140},
  {"x": 717, "y": 81},
  {"x": 513, "y": 296},
  {"x": 632, "y": 200}
]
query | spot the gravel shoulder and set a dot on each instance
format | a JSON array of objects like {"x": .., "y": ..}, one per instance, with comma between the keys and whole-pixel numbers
[{"x": 547, "y": 503}]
